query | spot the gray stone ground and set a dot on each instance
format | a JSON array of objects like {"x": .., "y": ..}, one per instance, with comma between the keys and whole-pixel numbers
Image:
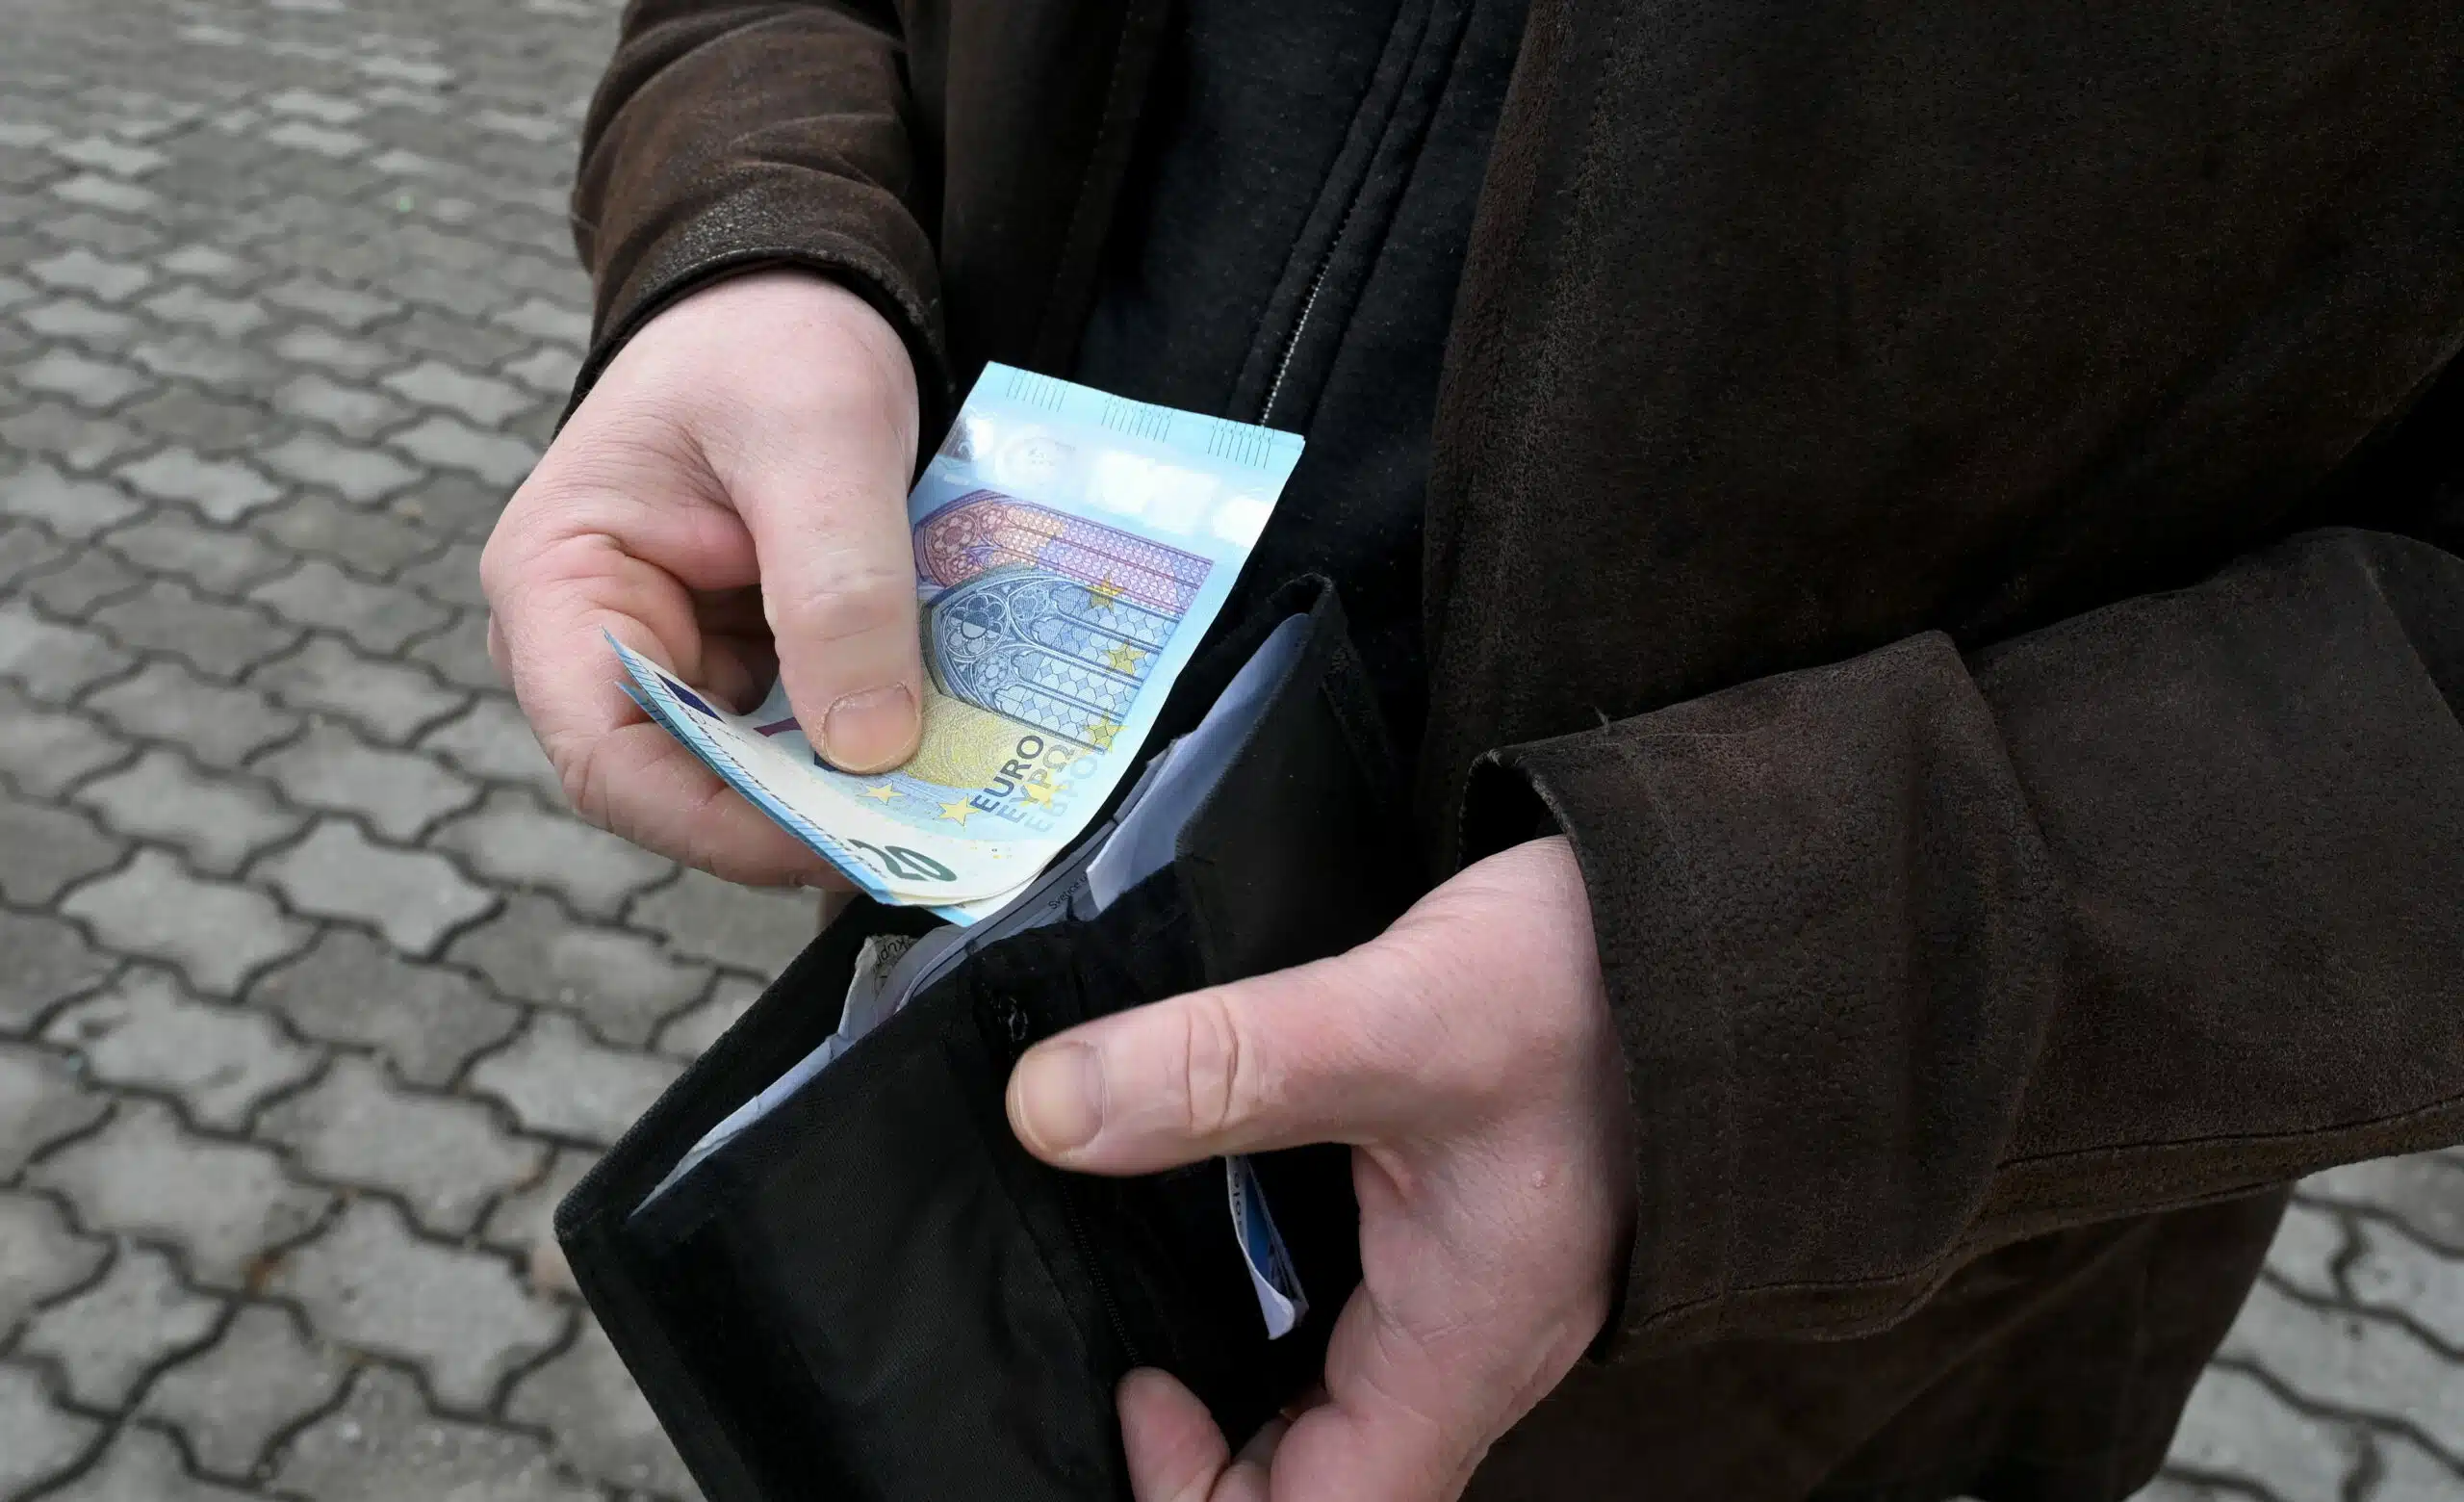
[{"x": 311, "y": 1001}]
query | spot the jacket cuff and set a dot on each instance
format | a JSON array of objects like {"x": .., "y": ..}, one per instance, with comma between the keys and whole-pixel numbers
[
  {"x": 1809, "y": 1142},
  {"x": 760, "y": 221}
]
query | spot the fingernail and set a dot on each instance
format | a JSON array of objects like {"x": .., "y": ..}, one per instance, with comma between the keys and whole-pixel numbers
[
  {"x": 867, "y": 732},
  {"x": 1057, "y": 1097}
]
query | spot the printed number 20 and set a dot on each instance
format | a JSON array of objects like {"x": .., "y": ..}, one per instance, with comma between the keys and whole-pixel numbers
[{"x": 907, "y": 864}]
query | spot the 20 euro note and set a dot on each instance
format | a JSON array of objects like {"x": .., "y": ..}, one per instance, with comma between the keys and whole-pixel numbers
[{"x": 1070, "y": 549}]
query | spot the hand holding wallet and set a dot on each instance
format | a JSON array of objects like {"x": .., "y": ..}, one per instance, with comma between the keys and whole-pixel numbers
[{"x": 869, "y": 1287}]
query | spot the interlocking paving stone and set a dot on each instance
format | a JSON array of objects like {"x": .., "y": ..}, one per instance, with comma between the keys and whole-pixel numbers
[
  {"x": 426, "y": 1019},
  {"x": 78, "y": 439},
  {"x": 550, "y": 372},
  {"x": 141, "y": 1464},
  {"x": 481, "y": 398},
  {"x": 2334, "y": 1359},
  {"x": 89, "y": 577},
  {"x": 704, "y": 917},
  {"x": 218, "y": 725},
  {"x": 38, "y": 1439},
  {"x": 2307, "y": 1245},
  {"x": 48, "y": 961},
  {"x": 41, "y": 1100},
  {"x": 344, "y": 309},
  {"x": 322, "y": 141},
  {"x": 560, "y": 1081},
  {"x": 400, "y": 793},
  {"x": 457, "y": 504},
  {"x": 104, "y": 154},
  {"x": 221, "y": 1061},
  {"x": 376, "y": 542},
  {"x": 2409, "y": 1473},
  {"x": 118, "y": 238},
  {"x": 223, "y": 1204},
  {"x": 26, "y": 551},
  {"x": 213, "y": 931},
  {"x": 211, "y": 558},
  {"x": 602, "y": 1425},
  {"x": 2236, "y": 1428},
  {"x": 450, "y": 578},
  {"x": 385, "y": 699},
  {"x": 96, "y": 191},
  {"x": 557, "y": 322},
  {"x": 360, "y": 475},
  {"x": 49, "y": 849},
  {"x": 226, "y": 490},
  {"x": 2426, "y": 1193},
  {"x": 2397, "y": 1275},
  {"x": 323, "y": 108},
  {"x": 447, "y": 1159},
  {"x": 187, "y": 355},
  {"x": 44, "y": 751},
  {"x": 493, "y": 741},
  {"x": 206, "y": 263},
  {"x": 40, "y": 1258},
  {"x": 524, "y": 1218},
  {"x": 51, "y": 661},
  {"x": 83, "y": 270},
  {"x": 513, "y": 841},
  {"x": 217, "y": 821},
  {"x": 461, "y": 1318},
  {"x": 454, "y": 444},
  {"x": 620, "y": 983},
  {"x": 89, "y": 382},
  {"x": 70, "y": 507},
  {"x": 314, "y": 344},
  {"x": 413, "y": 897},
  {"x": 459, "y": 655},
  {"x": 353, "y": 411},
  {"x": 384, "y": 1445},
  {"x": 263, "y": 1376},
  {"x": 109, "y": 1336},
  {"x": 694, "y": 1031},
  {"x": 76, "y": 318},
  {"x": 378, "y": 618},
  {"x": 218, "y": 639},
  {"x": 226, "y": 317},
  {"x": 191, "y": 416}
]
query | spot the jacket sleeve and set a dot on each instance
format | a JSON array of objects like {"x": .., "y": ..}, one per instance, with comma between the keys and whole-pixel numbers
[
  {"x": 734, "y": 134},
  {"x": 1923, "y": 953}
]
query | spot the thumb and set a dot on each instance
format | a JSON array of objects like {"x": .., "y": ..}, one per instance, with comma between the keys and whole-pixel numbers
[
  {"x": 1316, "y": 1053},
  {"x": 821, "y": 485}
]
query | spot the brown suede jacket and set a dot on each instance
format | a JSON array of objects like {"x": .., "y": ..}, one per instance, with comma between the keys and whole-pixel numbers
[{"x": 1949, "y": 507}]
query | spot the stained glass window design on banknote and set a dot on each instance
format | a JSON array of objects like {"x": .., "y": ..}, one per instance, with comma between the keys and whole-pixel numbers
[{"x": 1049, "y": 620}]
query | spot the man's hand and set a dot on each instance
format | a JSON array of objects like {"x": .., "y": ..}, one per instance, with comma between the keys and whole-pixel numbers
[
  {"x": 1466, "y": 1054},
  {"x": 730, "y": 500}
]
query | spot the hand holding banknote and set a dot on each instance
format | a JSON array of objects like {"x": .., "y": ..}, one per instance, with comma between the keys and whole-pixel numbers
[{"x": 731, "y": 501}]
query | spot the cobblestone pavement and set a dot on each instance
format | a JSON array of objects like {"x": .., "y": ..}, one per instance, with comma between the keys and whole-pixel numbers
[{"x": 311, "y": 1001}]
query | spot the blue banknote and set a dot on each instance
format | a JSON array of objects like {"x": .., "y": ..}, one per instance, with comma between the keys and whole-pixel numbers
[{"x": 1070, "y": 549}]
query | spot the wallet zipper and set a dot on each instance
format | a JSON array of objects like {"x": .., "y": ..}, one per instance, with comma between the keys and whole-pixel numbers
[{"x": 1016, "y": 1025}]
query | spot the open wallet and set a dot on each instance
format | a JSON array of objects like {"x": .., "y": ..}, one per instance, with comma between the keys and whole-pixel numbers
[{"x": 825, "y": 1257}]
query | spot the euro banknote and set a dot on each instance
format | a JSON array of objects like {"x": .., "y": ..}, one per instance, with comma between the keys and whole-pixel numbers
[{"x": 1071, "y": 547}]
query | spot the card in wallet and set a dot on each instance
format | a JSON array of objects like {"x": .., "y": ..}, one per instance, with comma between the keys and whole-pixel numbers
[{"x": 860, "y": 1286}]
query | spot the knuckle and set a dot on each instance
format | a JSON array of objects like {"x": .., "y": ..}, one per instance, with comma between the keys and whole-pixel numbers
[
  {"x": 1219, "y": 1086},
  {"x": 858, "y": 600}
]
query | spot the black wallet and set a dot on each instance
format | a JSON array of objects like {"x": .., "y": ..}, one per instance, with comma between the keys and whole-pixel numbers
[{"x": 872, "y": 1291}]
